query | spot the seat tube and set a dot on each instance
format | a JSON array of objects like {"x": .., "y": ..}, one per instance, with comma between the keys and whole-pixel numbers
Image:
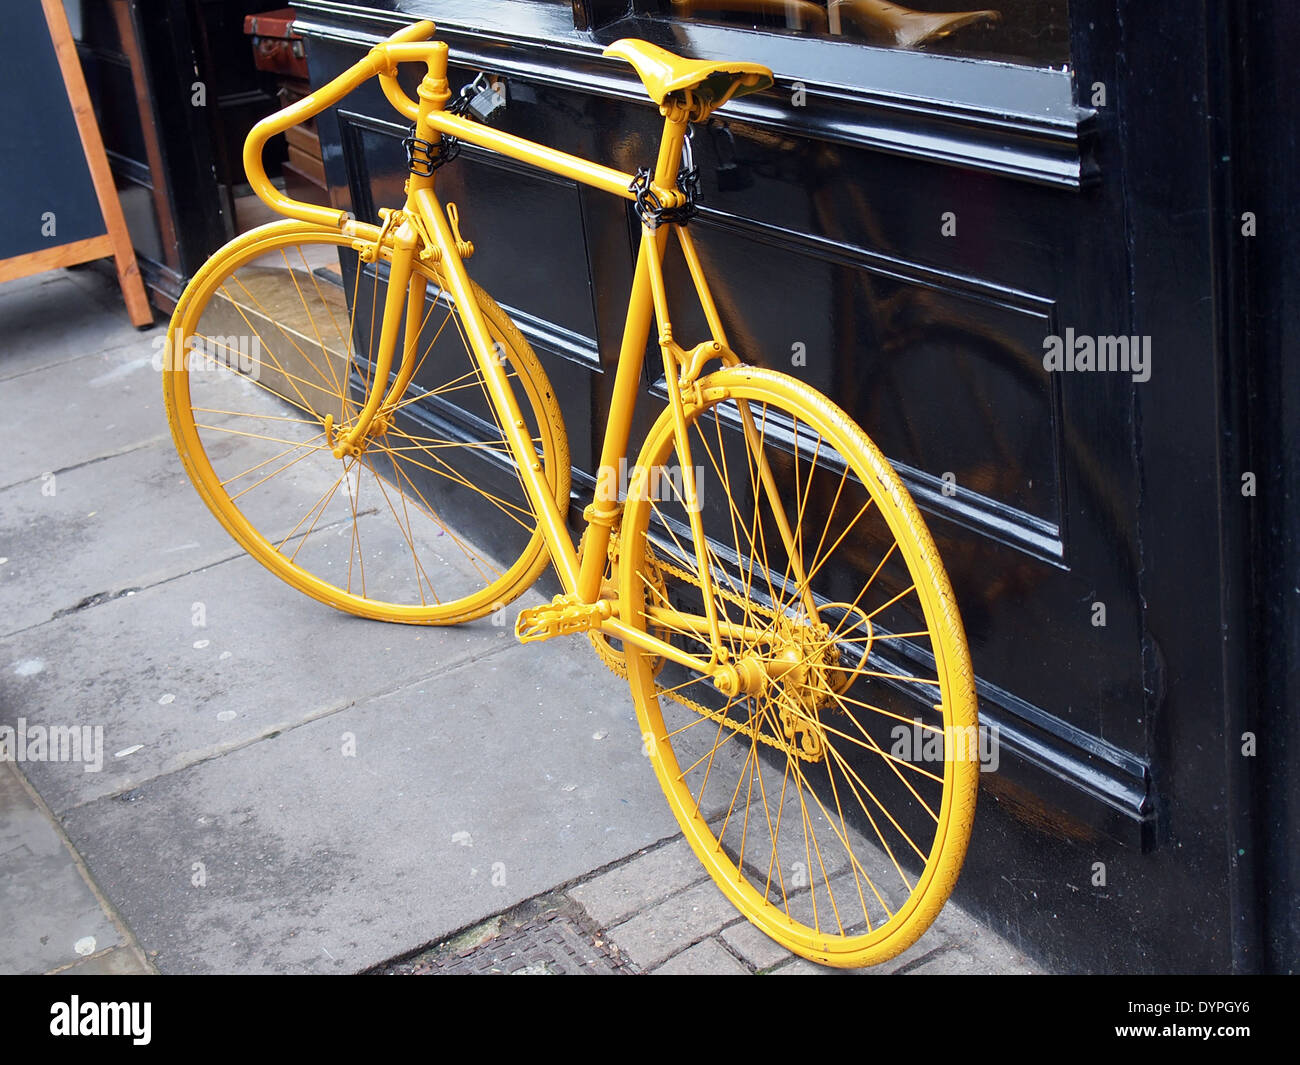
[{"x": 605, "y": 509}]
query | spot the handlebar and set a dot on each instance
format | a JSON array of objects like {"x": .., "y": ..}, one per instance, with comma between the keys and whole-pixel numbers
[
  {"x": 416, "y": 31},
  {"x": 406, "y": 45}
]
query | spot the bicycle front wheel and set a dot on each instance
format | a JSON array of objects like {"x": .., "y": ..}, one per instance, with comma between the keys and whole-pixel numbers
[
  {"x": 828, "y": 781},
  {"x": 275, "y": 339}
]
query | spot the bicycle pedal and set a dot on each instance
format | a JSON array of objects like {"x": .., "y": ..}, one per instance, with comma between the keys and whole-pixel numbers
[{"x": 562, "y": 616}]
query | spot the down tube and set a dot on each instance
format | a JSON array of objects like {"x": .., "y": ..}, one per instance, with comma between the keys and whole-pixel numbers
[{"x": 554, "y": 530}]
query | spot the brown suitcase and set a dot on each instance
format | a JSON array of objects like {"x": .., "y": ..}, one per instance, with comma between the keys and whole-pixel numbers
[{"x": 276, "y": 48}]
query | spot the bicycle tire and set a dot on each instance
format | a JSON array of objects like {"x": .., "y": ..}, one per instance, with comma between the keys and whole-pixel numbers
[{"x": 248, "y": 421}]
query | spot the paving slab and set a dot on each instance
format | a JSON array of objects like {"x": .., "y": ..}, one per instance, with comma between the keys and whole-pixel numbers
[
  {"x": 79, "y": 409},
  {"x": 987, "y": 957},
  {"x": 99, "y": 529},
  {"x": 963, "y": 930},
  {"x": 48, "y": 318},
  {"x": 654, "y": 935},
  {"x": 757, "y": 948},
  {"x": 126, "y": 522},
  {"x": 170, "y": 692},
  {"x": 462, "y": 799},
  {"x": 706, "y": 958},
  {"x": 116, "y": 962},
  {"x": 645, "y": 880},
  {"x": 804, "y": 967},
  {"x": 52, "y": 917}
]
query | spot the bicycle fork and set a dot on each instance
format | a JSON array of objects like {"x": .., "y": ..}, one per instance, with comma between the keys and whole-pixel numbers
[{"x": 350, "y": 440}]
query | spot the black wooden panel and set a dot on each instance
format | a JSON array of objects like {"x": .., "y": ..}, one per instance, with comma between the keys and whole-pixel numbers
[
  {"x": 518, "y": 212},
  {"x": 173, "y": 206},
  {"x": 944, "y": 382},
  {"x": 108, "y": 78},
  {"x": 375, "y": 162},
  {"x": 238, "y": 93}
]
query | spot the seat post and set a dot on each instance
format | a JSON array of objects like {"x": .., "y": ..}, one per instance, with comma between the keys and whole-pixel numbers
[{"x": 670, "y": 149}]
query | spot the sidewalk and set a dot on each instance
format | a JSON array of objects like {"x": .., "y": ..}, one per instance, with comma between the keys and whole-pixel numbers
[{"x": 497, "y": 813}]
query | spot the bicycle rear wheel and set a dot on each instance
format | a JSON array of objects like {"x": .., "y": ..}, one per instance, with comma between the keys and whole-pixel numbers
[
  {"x": 830, "y": 788},
  {"x": 277, "y": 333}
]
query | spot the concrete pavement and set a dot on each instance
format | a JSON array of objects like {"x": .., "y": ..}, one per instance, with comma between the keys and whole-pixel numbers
[{"x": 284, "y": 788}]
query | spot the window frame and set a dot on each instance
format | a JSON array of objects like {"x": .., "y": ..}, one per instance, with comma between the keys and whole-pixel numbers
[{"x": 1017, "y": 120}]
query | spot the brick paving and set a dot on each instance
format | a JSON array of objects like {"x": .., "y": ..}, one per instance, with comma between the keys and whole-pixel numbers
[{"x": 658, "y": 913}]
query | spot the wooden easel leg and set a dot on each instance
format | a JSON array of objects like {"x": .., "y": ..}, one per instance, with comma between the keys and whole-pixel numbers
[
  {"x": 128, "y": 277},
  {"x": 92, "y": 144}
]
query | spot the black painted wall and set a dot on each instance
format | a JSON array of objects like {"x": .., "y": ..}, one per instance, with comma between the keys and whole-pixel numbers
[{"x": 1103, "y": 199}]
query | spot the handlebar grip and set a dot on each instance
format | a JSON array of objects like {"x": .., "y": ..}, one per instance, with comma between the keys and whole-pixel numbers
[{"x": 377, "y": 61}]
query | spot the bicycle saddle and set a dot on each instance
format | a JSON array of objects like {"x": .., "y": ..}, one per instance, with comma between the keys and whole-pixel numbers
[{"x": 709, "y": 84}]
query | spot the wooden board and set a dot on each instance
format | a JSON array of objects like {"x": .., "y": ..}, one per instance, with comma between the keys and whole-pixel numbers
[{"x": 57, "y": 187}]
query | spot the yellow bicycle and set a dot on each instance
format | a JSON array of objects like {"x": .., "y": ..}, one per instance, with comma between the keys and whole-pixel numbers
[{"x": 344, "y": 397}]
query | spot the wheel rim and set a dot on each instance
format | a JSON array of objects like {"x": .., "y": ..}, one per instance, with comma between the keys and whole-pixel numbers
[
  {"x": 836, "y": 834},
  {"x": 280, "y": 335}
]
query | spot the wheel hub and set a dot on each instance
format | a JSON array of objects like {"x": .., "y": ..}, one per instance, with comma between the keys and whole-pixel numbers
[
  {"x": 339, "y": 440},
  {"x": 799, "y": 674}
]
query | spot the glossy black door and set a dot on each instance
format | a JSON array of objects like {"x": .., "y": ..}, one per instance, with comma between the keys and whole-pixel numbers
[{"x": 918, "y": 235}]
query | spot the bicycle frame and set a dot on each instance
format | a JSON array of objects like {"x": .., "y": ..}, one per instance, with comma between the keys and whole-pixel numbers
[{"x": 423, "y": 221}]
